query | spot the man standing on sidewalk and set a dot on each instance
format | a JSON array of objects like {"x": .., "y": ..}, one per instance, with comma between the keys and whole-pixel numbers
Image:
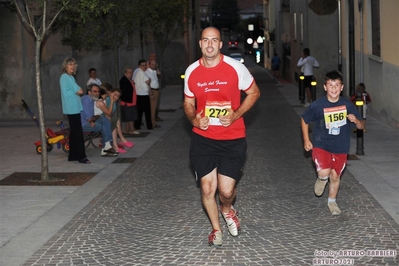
[
  {"x": 307, "y": 62},
  {"x": 152, "y": 73},
  {"x": 144, "y": 95},
  {"x": 212, "y": 103}
]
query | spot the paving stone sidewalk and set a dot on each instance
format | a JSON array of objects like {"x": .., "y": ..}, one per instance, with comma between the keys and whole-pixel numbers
[{"x": 151, "y": 214}]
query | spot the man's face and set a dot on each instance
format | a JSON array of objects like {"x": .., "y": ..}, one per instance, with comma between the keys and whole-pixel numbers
[
  {"x": 153, "y": 65},
  {"x": 143, "y": 66},
  {"x": 210, "y": 43},
  {"x": 93, "y": 74},
  {"x": 94, "y": 93}
]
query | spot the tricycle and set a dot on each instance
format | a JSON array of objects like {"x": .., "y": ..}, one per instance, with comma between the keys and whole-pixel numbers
[{"x": 60, "y": 138}]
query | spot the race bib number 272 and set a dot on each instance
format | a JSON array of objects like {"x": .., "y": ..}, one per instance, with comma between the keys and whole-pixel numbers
[{"x": 214, "y": 109}]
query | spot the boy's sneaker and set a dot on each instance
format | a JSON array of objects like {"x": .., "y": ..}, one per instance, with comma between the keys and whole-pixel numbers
[
  {"x": 319, "y": 186},
  {"x": 232, "y": 221},
  {"x": 334, "y": 209},
  {"x": 215, "y": 238}
]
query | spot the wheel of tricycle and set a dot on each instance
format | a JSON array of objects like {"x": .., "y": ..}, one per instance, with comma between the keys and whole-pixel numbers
[
  {"x": 65, "y": 147},
  {"x": 50, "y": 147}
]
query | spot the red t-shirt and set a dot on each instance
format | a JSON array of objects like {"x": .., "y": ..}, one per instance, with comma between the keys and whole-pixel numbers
[{"x": 216, "y": 89}]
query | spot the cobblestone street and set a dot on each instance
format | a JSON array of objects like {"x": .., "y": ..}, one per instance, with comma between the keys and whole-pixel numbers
[{"x": 152, "y": 215}]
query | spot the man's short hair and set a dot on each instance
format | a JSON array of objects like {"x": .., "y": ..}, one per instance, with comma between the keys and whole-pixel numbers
[
  {"x": 142, "y": 61},
  {"x": 92, "y": 69},
  {"x": 91, "y": 85},
  {"x": 306, "y": 51}
]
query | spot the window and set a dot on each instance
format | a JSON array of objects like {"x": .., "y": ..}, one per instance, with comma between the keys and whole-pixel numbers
[
  {"x": 375, "y": 28},
  {"x": 295, "y": 31},
  {"x": 301, "y": 40}
]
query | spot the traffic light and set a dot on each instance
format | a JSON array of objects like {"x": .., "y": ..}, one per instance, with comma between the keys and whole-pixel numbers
[{"x": 257, "y": 56}]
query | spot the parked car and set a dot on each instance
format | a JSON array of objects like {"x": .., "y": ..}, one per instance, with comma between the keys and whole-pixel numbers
[
  {"x": 238, "y": 57},
  {"x": 233, "y": 44}
]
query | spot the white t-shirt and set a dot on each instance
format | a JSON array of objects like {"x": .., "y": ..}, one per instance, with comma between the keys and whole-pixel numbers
[
  {"x": 94, "y": 81},
  {"x": 307, "y": 65},
  {"x": 142, "y": 88},
  {"x": 152, "y": 74}
]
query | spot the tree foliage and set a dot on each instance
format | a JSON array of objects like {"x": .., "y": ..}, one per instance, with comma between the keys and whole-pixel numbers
[
  {"x": 164, "y": 19},
  {"x": 84, "y": 29},
  {"x": 225, "y": 14},
  {"x": 87, "y": 26}
]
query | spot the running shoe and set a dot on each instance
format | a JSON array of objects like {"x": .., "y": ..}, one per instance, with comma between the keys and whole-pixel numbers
[
  {"x": 319, "y": 186},
  {"x": 334, "y": 209},
  {"x": 215, "y": 238},
  {"x": 232, "y": 221}
]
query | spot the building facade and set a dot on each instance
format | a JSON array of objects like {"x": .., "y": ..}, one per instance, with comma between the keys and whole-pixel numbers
[
  {"x": 358, "y": 37},
  {"x": 17, "y": 73}
]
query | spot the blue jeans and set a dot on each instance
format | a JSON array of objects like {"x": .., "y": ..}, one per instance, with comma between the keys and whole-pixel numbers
[{"x": 102, "y": 124}]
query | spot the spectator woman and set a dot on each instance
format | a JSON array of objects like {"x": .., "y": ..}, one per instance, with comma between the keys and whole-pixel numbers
[{"x": 72, "y": 106}]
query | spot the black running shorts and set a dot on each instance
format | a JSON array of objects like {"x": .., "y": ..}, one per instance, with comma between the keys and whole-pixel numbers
[
  {"x": 228, "y": 156},
  {"x": 307, "y": 82}
]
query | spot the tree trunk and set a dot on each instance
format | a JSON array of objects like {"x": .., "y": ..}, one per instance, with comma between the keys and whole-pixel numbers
[
  {"x": 116, "y": 65},
  {"x": 44, "y": 156}
]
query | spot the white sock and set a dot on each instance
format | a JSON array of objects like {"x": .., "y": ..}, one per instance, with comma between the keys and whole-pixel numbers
[
  {"x": 330, "y": 200},
  {"x": 107, "y": 145}
]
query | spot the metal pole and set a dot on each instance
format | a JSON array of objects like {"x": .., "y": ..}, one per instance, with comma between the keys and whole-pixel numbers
[
  {"x": 351, "y": 29},
  {"x": 313, "y": 84},
  {"x": 361, "y": 41},
  {"x": 359, "y": 132},
  {"x": 301, "y": 89},
  {"x": 339, "y": 38}
]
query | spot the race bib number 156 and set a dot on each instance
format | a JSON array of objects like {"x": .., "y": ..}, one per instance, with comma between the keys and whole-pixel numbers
[{"x": 335, "y": 117}]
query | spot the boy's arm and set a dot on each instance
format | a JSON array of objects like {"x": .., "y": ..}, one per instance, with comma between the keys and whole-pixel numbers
[
  {"x": 307, "y": 144},
  {"x": 359, "y": 123}
]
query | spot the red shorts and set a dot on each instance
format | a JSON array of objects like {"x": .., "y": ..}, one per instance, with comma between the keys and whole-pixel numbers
[{"x": 327, "y": 160}]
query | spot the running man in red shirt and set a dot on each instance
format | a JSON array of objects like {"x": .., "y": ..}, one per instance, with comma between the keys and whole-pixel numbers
[{"x": 212, "y": 103}]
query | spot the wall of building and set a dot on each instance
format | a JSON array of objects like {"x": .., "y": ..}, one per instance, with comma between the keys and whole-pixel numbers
[
  {"x": 17, "y": 73},
  {"x": 319, "y": 33},
  {"x": 381, "y": 74}
]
